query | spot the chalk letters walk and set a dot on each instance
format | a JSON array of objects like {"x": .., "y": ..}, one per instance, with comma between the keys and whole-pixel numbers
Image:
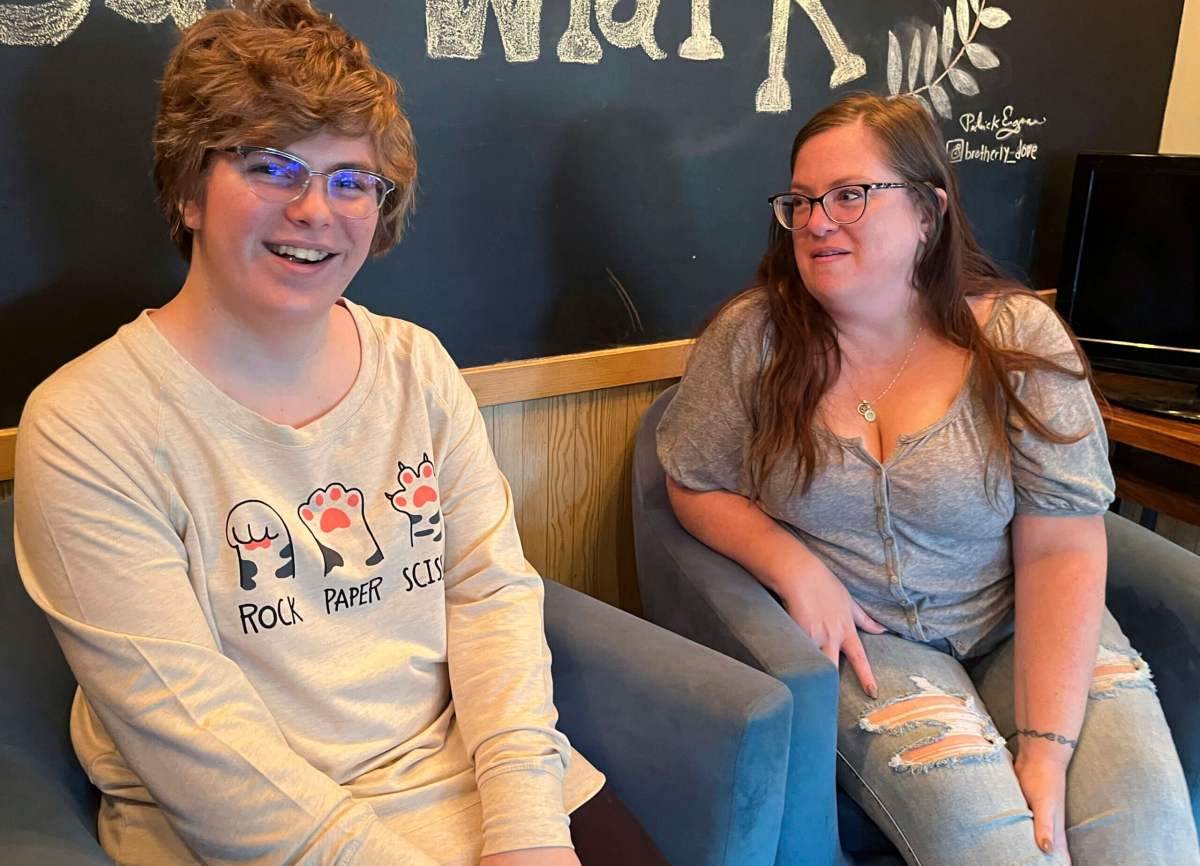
[{"x": 455, "y": 30}]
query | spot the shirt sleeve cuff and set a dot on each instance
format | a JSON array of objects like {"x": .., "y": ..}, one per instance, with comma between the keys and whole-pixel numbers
[{"x": 523, "y": 809}]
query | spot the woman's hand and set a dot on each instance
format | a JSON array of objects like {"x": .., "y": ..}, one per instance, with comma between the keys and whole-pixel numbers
[
  {"x": 820, "y": 604},
  {"x": 533, "y": 857},
  {"x": 1042, "y": 773},
  {"x": 738, "y": 528}
]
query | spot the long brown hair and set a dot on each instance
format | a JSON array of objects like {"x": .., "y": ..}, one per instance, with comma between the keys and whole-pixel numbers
[{"x": 950, "y": 267}]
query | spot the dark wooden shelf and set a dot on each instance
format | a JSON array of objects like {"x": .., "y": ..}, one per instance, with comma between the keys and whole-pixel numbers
[
  {"x": 1155, "y": 459},
  {"x": 1179, "y": 440}
]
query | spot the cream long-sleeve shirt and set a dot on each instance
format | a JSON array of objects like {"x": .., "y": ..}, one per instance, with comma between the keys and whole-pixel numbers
[{"x": 294, "y": 646}]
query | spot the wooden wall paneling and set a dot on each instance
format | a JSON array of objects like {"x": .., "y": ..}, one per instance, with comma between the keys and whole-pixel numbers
[
  {"x": 605, "y": 423},
  {"x": 535, "y": 442},
  {"x": 586, "y": 420},
  {"x": 504, "y": 433},
  {"x": 568, "y": 460},
  {"x": 637, "y": 400},
  {"x": 1184, "y": 534},
  {"x": 8, "y": 453},
  {"x": 560, "y": 492},
  {"x": 488, "y": 415}
]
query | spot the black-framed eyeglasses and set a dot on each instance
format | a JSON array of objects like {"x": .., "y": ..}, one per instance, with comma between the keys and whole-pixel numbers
[
  {"x": 278, "y": 176},
  {"x": 842, "y": 204}
]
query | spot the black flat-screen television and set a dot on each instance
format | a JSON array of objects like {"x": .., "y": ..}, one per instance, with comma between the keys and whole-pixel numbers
[{"x": 1130, "y": 279}]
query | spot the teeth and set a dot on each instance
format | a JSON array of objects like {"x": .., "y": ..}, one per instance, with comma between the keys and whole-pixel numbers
[{"x": 301, "y": 253}]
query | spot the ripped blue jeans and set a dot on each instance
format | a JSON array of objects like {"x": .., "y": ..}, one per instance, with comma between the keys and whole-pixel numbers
[{"x": 930, "y": 761}]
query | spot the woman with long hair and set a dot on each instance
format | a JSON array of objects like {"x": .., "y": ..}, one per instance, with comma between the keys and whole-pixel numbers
[{"x": 904, "y": 447}]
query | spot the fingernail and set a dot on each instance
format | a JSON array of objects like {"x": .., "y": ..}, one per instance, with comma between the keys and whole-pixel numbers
[
  {"x": 873, "y": 692},
  {"x": 1046, "y": 846}
]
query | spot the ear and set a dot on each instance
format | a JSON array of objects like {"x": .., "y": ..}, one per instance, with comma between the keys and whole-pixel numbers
[
  {"x": 942, "y": 203},
  {"x": 943, "y": 200},
  {"x": 192, "y": 214}
]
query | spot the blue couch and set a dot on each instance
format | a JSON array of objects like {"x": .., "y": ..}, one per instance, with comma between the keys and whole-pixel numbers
[
  {"x": 1153, "y": 590},
  {"x": 693, "y": 742}
]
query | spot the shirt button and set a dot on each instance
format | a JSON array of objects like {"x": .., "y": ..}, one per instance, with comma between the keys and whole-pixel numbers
[
  {"x": 893, "y": 577},
  {"x": 889, "y": 542}
]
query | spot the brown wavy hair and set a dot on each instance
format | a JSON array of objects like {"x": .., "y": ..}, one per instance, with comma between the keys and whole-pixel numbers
[
  {"x": 270, "y": 73},
  {"x": 949, "y": 268}
]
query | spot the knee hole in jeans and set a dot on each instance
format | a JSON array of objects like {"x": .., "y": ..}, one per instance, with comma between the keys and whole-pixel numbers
[{"x": 1119, "y": 669}]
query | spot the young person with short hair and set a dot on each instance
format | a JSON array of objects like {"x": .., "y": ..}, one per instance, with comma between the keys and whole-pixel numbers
[{"x": 266, "y": 523}]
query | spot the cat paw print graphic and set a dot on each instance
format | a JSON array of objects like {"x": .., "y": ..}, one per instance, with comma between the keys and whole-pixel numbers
[
  {"x": 418, "y": 500},
  {"x": 335, "y": 517},
  {"x": 262, "y": 541}
]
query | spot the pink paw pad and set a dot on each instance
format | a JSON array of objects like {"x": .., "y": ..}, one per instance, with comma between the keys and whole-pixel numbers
[{"x": 332, "y": 509}]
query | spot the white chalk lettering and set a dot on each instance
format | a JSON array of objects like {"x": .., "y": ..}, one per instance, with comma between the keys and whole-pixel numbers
[
  {"x": 774, "y": 94},
  {"x": 1003, "y": 126},
  {"x": 44, "y": 24},
  {"x": 51, "y": 23},
  {"x": 185, "y": 12},
  {"x": 455, "y": 31},
  {"x": 579, "y": 44},
  {"x": 961, "y": 150},
  {"x": 637, "y": 31},
  {"x": 701, "y": 45}
]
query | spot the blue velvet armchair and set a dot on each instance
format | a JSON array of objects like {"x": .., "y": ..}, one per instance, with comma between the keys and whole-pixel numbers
[
  {"x": 693, "y": 742},
  {"x": 1153, "y": 590}
]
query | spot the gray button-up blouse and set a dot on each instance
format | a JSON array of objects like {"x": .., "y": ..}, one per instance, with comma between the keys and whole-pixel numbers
[{"x": 922, "y": 541}]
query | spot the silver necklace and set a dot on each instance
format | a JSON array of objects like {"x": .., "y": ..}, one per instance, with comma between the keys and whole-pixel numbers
[{"x": 865, "y": 408}]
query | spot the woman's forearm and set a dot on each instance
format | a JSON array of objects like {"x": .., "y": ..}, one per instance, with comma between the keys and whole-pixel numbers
[
  {"x": 1060, "y": 565},
  {"x": 737, "y": 528}
]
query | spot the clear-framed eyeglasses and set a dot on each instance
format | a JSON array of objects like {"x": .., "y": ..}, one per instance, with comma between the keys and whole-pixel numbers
[
  {"x": 281, "y": 177},
  {"x": 842, "y": 204}
]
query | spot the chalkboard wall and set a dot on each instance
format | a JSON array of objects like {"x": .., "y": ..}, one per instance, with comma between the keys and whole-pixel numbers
[{"x": 582, "y": 184}]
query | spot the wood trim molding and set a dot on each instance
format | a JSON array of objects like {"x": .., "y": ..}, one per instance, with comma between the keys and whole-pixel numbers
[
  {"x": 8, "y": 452},
  {"x": 515, "y": 381}
]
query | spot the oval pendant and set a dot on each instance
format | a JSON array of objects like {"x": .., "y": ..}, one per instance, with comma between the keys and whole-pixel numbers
[{"x": 870, "y": 415}]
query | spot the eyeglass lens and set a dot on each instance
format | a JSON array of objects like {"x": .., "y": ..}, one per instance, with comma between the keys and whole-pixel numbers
[
  {"x": 273, "y": 177},
  {"x": 843, "y": 204}
]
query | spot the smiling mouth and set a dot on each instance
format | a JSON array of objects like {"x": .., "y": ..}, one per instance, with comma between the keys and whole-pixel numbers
[{"x": 302, "y": 255}]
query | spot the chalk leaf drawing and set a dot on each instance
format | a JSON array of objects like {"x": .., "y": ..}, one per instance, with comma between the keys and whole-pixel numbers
[
  {"x": 923, "y": 56},
  {"x": 50, "y": 23}
]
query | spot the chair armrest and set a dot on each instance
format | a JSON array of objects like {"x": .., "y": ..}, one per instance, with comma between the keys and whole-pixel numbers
[
  {"x": 696, "y": 592},
  {"x": 39, "y": 819},
  {"x": 694, "y": 743},
  {"x": 47, "y": 805},
  {"x": 1154, "y": 592}
]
